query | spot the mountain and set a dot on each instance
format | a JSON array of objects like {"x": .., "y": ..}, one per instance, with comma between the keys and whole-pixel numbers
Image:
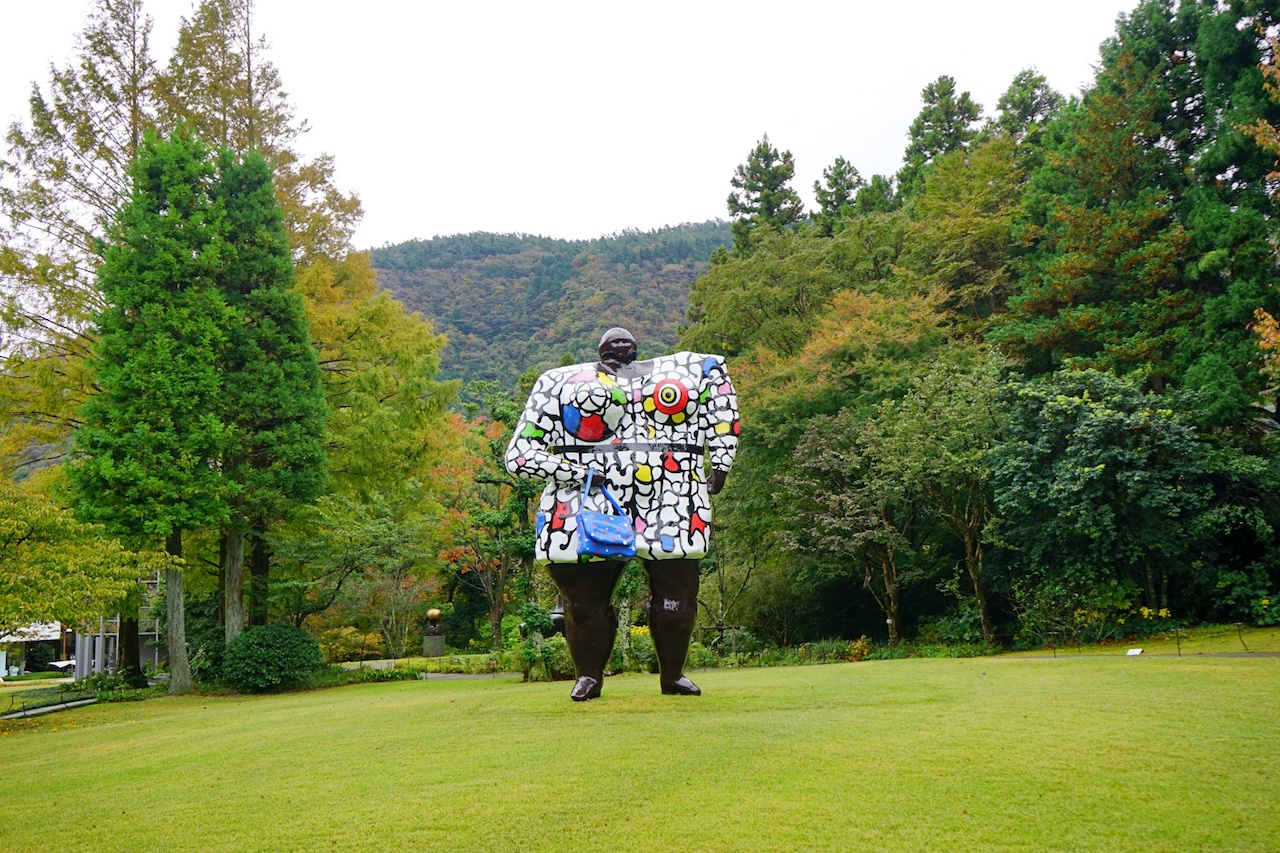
[{"x": 509, "y": 302}]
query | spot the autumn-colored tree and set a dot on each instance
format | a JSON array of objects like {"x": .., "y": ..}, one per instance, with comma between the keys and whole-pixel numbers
[{"x": 62, "y": 181}]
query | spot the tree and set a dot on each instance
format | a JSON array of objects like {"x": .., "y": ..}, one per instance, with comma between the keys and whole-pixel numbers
[
  {"x": 854, "y": 511},
  {"x": 836, "y": 198},
  {"x": 762, "y": 195},
  {"x": 877, "y": 196},
  {"x": 55, "y": 568},
  {"x": 152, "y": 434},
  {"x": 272, "y": 400},
  {"x": 1029, "y": 102},
  {"x": 938, "y": 437},
  {"x": 959, "y": 239},
  {"x": 1150, "y": 221},
  {"x": 64, "y": 179},
  {"x": 944, "y": 124},
  {"x": 768, "y": 298},
  {"x": 1099, "y": 481},
  {"x": 221, "y": 84}
]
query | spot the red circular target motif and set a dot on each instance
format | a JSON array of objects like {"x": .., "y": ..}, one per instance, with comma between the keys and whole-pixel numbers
[{"x": 670, "y": 396}]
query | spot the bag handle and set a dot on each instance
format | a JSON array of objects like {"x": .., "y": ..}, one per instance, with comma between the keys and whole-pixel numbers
[{"x": 586, "y": 490}]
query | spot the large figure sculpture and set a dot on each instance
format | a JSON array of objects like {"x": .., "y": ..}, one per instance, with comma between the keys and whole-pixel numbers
[{"x": 644, "y": 426}]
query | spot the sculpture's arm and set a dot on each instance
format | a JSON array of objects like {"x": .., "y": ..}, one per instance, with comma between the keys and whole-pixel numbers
[
  {"x": 529, "y": 454},
  {"x": 722, "y": 425}
]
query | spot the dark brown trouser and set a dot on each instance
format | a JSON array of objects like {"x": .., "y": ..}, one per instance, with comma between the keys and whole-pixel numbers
[{"x": 590, "y": 623}]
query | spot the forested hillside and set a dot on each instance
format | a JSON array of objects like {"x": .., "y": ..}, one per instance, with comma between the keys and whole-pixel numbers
[{"x": 509, "y": 302}]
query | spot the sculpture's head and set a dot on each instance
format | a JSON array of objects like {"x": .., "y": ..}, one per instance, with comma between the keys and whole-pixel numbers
[{"x": 617, "y": 347}]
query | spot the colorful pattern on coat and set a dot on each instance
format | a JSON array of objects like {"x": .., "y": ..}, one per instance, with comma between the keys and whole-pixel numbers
[{"x": 647, "y": 432}]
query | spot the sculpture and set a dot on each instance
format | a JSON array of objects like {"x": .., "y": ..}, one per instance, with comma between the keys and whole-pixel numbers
[{"x": 644, "y": 426}]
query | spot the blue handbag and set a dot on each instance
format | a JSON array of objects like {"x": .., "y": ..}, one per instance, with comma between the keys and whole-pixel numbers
[{"x": 603, "y": 534}]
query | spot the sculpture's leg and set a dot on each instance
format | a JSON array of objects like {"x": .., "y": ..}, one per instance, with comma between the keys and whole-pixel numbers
[
  {"x": 590, "y": 623},
  {"x": 673, "y": 608}
]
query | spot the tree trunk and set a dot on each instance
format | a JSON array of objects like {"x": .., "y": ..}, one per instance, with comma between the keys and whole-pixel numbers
[
  {"x": 222, "y": 581},
  {"x": 259, "y": 572},
  {"x": 129, "y": 647},
  {"x": 893, "y": 611},
  {"x": 973, "y": 560},
  {"x": 233, "y": 569},
  {"x": 179, "y": 667}
]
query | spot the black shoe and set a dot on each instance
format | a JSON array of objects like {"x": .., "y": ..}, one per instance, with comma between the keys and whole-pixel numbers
[
  {"x": 587, "y": 688},
  {"x": 682, "y": 686}
]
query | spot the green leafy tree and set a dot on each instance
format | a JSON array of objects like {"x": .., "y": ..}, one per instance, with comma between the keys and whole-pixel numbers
[
  {"x": 769, "y": 298},
  {"x": 1099, "y": 482},
  {"x": 152, "y": 434},
  {"x": 938, "y": 438},
  {"x": 272, "y": 396},
  {"x": 221, "y": 83},
  {"x": 58, "y": 569},
  {"x": 1028, "y": 103},
  {"x": 62, "y": 181},
  {"x": 944, "y": 124},
  {"x": 876, "y": 196},
  {"x": 835, "y": 194},
  {"x": 1151, "y": 227},
  {"x": 960, "y": 235},
  {"x": 762, "y": 194}
]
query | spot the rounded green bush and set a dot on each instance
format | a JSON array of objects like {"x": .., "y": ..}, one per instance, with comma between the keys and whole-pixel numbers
[{"x": 269, "y": 657}]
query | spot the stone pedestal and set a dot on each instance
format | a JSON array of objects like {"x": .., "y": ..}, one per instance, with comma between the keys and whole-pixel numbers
[{"x": 433, "y": 646}]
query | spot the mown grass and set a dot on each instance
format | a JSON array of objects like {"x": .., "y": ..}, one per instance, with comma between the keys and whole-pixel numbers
[{"x": 1077, "y": 753}]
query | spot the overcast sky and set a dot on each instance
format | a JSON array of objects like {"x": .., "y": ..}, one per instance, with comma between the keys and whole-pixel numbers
[{"x": 576, "y": 120}]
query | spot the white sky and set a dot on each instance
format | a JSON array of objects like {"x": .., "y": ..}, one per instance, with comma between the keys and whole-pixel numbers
[{"x": 577, "y": 119}]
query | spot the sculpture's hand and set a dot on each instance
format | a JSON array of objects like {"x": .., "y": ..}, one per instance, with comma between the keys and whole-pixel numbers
[{"x": 717, "y": 481}]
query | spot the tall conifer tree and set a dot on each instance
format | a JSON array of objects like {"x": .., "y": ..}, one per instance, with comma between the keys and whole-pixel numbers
[
  {"x": 152, "y": 435},
  {"x": 272, "y": 397},
  {"x": 762, "y": 193}
]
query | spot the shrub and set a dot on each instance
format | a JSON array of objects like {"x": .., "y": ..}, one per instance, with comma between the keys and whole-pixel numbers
[
  {"x": 269, "y": 657},
  {"x": 39, "y": 656},
  {"x": 700, "y": 657},
  {"x": 857, "y": 649},
  {"x": 543, "y": 660},
  {"x": 642, "y": 650},
  {"x": 206, "y": 639},
  {"x": 349, "y": 643},
  {"x": 737, "y": 641},
  {"x": 825, "y": 651}
]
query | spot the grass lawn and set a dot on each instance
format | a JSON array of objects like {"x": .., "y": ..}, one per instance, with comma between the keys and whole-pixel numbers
[{"x": 1078, "y": 753}]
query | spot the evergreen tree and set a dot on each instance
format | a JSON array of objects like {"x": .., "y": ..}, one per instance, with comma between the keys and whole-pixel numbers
[
  {"x": 272, "y": 398},
  {"x": 1150, "y": 221},
  {"x": 221, "y": 83},
  {"x": 152, "y": 435},
  {"x": 835, "y": 199},
  {"x": 877, "y": 196},
  {"x": 1028, "y": 102},
  {"x": 762, "y": 194},
  {"x": 944, "y": 124}
]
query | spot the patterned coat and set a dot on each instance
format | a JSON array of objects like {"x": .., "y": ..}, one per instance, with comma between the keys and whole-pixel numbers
[{"x": 647, "y": 431}]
